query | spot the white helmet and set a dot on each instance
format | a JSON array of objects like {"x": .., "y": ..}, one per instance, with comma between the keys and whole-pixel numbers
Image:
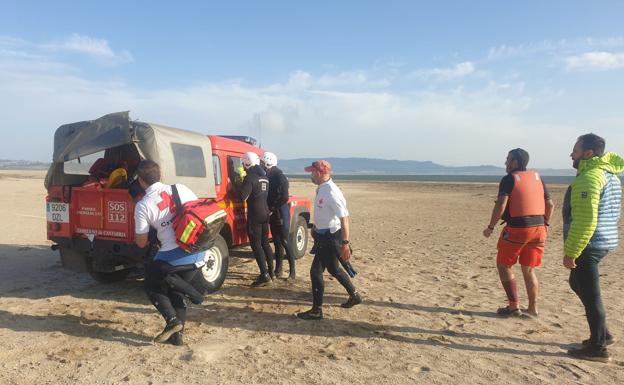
[
  {"x": 251, "y": 159},
  {"x": 269, "y": 159}
]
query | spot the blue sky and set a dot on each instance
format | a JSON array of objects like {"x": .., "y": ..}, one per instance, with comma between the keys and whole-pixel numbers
[{"x": 457, "y": 83}]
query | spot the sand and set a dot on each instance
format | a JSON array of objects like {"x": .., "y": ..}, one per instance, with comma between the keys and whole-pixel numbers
[{"x": 427, "y": 274}]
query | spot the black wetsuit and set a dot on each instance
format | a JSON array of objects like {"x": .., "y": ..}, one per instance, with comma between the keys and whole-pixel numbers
[
  {"x": 255, "y": 191},
  {"x": 280, "y": 218},
  {"x": 327, "y": 256}
]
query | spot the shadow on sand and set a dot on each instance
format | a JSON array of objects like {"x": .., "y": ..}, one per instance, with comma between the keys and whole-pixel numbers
[{"x": 35, "y": 272}]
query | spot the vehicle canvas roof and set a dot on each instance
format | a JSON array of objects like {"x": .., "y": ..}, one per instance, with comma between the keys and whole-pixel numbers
[{"x": 153, "y": 141}]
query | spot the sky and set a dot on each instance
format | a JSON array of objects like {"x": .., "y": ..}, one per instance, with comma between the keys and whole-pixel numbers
[{"x": 457, "y": 83}]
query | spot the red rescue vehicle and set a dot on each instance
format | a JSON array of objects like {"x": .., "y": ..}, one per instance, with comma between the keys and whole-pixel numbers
[{"x": 92, "y": 190}]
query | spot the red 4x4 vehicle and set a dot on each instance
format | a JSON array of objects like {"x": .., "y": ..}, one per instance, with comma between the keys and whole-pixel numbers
[{"x": 92, "y": 192}]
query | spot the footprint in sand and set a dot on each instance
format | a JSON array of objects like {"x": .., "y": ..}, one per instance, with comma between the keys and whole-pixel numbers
[{"x": 205, "y": 352}]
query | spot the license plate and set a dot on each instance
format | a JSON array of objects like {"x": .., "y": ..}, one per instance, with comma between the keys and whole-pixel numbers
[{"x": 58, "y": 212}]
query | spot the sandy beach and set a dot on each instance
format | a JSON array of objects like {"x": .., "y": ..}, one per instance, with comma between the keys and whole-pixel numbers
[{"x": 427, "y": 275}]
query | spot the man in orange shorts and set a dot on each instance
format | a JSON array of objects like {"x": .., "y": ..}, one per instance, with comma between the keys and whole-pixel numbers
[{"x": 525, "y": 206}]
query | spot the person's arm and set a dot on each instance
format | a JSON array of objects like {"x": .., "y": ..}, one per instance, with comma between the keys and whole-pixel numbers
[
  {"x": 141, "y": 225},
  {"x": 550, "y": 207},
  {"x": 246, "y": 189},
  {"x": 345, "y": 250},
  {"x": 141, "y": 240},
  {"x": 505, "y": 187},
  {"x": 282, "y": 191},
  {"x": 497, "y": 214}
]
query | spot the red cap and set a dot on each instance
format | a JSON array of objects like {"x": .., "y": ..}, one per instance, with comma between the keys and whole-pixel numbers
[{"x": 322, "y": 166}]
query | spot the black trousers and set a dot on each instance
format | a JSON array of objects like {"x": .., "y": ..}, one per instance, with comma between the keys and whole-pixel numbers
[
  {"x": 280, "y": 229},
  {"x": 585, "y": 282},
  {"x": 169, "y": 301},
  {"x": 327, "y": 257},
  {"x": 258, "y": 233}
]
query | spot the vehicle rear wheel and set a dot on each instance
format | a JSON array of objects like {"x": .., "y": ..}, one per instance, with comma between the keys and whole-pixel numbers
[
  {"x": 73, "y": 259},
  {"x": 109, "y": 277},
  {"x": 81, "y": 262},
  {"x": 299, "y": 237},
  {"x": 211, "y": 276}
]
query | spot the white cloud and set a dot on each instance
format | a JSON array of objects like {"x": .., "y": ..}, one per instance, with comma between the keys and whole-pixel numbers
[
  {"x": 345, "y": 113},
  {"x": 457, "y": 71},
  {"x": 297, "y": 118},
  {"x": 597, "y": 61},
  {"x": 80, "y": 44},
  {"x": 556, "y": 46},
  {"x": 90, "y": 46}
]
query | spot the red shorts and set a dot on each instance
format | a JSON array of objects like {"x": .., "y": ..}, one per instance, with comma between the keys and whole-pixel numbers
[{"x": 523, "y": 243}]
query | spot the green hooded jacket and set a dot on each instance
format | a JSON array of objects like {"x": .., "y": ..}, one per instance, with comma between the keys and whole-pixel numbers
[{"x": 586, "y": 194}]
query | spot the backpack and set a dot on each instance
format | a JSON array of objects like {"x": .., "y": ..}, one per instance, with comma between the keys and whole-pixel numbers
[{"x": 196, "y": 223}]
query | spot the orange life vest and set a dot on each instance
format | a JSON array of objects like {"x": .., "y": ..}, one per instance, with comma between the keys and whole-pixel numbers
[{"x": 527, "y": 196}]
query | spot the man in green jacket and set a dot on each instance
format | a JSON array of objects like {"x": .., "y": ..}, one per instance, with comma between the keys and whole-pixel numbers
[{"x": 591, "y": 213}]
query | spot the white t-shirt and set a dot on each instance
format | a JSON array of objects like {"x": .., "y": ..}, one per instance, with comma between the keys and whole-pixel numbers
[
  {"x": 329, "y": 206},
  {"x": 155, "y": 210}
]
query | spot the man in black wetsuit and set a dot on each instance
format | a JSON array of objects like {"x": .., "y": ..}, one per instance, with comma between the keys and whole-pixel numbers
[
  {"x": 280, "y": 214},
  {"x": 255, "y": 191}
]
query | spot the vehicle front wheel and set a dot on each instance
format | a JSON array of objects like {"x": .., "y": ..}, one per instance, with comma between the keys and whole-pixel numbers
[
  {"x": 299, "y": 237},
  {"x": 211, "y": 276}
]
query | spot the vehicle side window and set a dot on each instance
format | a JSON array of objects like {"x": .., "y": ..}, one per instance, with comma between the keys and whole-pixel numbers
[
  {"x": 189, "y": 160},
  {"x": 236, "y": 173},
  {"x": 216, "y": 168}
]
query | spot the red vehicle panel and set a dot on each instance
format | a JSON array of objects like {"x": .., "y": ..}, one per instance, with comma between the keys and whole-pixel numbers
[{"x": 105, "y": 213}]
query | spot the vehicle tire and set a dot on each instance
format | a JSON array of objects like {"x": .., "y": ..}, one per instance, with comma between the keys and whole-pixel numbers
[
  {"x": 109, "y": 277},
  {"x": 73, "y": 259},
  {"x": 211, "y": 276},
  {"x": 299, "y": 237},
  {"x": 81, "y": 262}
]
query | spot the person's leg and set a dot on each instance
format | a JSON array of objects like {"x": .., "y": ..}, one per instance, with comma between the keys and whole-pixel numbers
[
  {"x": 157, "y": 290},
  {"x": 276, "y": 231},
  {"x": 333, "y": 267},
  {"x": 589, "y": 287},
  {"x": 158, "y": 293},
  {"x": 266, "y": 247},
  {"x": 531, "y": 258},
  {"x": 179, "y": 302},
  {"x": 254, "y": 231},
  {"x": 532, "y": 288},
  {"x": 318, "y": 287},
  {"x": 508, "y": 251},
  {"x": 318, "y": 284},
  {"x": 509, "y": 284},
  {"x": 178, "y": 283},
  {"x": 290, "y": 254},
  {"x": 277, "y": 242}
]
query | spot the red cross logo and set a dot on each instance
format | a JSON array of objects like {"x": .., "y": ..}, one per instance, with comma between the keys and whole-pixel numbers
[{"x": 166, "y": 202}]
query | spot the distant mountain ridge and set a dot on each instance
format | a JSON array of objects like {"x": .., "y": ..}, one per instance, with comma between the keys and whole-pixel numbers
[
  {"x": 6, "y": 164},
  {"x": 353, "y": 166},
  {"x": 373, "y": 166}
]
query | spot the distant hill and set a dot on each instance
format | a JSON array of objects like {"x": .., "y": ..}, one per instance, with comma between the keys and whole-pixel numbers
[
  {"x": 372, "y": 166},
  {"x": 22, "y": 165},
  {"x": 351, "y": 166}
]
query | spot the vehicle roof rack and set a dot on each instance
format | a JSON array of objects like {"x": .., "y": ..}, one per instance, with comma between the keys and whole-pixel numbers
[{"x": 242, "y": 138}]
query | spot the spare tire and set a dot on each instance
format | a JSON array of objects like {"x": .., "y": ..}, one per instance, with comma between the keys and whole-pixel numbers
[{"x": 211, "y": 276}]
